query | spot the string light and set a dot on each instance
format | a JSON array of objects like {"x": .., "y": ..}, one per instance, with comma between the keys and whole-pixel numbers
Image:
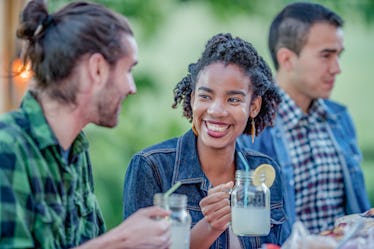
[
  {"x": 21, "y": 70},
  {"x": 21, "y": 78}
]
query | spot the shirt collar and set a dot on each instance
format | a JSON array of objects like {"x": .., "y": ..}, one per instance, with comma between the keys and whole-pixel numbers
[
  {"x": 292, "y": 115},
  {"x": 318, "y": 111}
]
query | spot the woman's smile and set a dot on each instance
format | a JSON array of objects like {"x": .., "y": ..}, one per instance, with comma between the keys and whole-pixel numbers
[{"x": 216, "y": 129}]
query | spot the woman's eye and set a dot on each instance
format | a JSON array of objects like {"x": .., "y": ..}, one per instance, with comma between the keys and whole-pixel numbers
[
  {"x": 235, "y": 100},
  {"x": 203, "y": 96}
]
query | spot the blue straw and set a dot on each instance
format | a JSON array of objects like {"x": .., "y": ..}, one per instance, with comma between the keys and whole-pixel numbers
[
  {"x": 244, "y": 161},
  {"x": 246, "y": 166}
]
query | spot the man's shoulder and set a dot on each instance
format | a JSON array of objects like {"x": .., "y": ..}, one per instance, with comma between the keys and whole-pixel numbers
[
  {"x": 12, "y": 126},
  {"x": 334, "y": 106},
  {"x": 265, "y": 137},
  {"x": 8, "y": 118}
]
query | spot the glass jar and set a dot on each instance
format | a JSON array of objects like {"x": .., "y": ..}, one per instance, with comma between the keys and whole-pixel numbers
[
  {"x": 250, "y": 206},
  {"x": 179, "y": 217}
]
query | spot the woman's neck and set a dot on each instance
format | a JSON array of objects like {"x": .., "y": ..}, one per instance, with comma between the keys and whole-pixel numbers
[{"x": 218, "y": 165}]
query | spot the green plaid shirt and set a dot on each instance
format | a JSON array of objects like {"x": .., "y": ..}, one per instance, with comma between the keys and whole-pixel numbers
[{"x": 45, "y": 202}]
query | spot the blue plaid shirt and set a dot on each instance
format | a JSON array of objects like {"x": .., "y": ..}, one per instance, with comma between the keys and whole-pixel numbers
[{"x": 318, "y": 176}]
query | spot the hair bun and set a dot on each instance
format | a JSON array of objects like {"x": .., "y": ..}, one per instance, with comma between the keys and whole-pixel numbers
[{"x": 31, "y": 18}]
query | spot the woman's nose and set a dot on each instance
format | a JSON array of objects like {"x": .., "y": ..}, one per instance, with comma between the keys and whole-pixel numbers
[{"x": 217, "y": 108}]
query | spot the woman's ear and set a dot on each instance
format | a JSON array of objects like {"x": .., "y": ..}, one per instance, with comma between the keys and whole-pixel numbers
[{"x": 255, "y": 107}]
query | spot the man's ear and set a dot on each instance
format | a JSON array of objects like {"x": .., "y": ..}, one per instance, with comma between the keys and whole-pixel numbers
[
  {"x": 285, "y": 58},
  {"x": 98, "y": 69}
]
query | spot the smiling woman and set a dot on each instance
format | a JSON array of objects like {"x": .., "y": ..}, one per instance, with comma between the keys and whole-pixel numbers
[{"x": 227, "y": 92}]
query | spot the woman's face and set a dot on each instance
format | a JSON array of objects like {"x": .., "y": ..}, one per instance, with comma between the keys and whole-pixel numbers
[{"x": 221, "y": 105}]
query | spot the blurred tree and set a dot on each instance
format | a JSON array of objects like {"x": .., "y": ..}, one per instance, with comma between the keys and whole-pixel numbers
[
  {"x": 150, "y": 14},
  {"x": 227, "y": 8}
]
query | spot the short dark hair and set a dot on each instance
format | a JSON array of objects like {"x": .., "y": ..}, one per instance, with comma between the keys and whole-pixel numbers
[
  {"x": 228, "y": 50},
  {"x": 56, "y": 42},
  {"x": 291, "y": 26}
]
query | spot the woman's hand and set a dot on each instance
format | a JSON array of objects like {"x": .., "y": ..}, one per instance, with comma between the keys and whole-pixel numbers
[{"x": 216, "y": 206}]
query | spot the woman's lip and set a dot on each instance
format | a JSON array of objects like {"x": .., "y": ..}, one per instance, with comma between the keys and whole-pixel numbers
[
  {"x": 216, "y": 127},
  {"x": 215, "y": 122}
]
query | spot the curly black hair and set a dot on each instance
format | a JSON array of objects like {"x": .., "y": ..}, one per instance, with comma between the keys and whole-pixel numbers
[{"x": 228, "y": 50}]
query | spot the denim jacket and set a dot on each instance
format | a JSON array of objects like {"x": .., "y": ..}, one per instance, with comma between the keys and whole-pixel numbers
[
  {"x": 158, "y": 167},
  {"x": 272, "y": 142}
]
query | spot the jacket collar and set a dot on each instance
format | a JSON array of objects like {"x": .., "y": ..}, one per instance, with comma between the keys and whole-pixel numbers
[{"x": 187, "y": 168}]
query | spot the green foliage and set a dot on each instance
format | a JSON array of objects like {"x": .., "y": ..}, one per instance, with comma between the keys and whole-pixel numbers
[
  {"x": 224, "y": 9},
  {"x": 366, "y": 7},
  {"x": 149, "y": 14}
]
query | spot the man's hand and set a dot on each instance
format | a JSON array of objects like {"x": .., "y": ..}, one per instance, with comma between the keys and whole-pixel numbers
[{"x": 139, "y": 231}]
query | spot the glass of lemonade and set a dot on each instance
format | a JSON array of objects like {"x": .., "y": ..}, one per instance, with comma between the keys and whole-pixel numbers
[
  {"x": 250, "y": 206},
  {"x": 179, "y": 217}
]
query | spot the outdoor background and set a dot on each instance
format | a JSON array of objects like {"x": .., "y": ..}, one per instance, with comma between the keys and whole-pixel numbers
[{"x": 171, "y": 34}]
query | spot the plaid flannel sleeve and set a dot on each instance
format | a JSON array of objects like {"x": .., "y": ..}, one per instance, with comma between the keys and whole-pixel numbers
[{"x": 15, "y": 201}]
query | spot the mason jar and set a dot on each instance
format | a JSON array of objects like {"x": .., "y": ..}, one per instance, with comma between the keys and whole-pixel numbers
[
  {"x": 179, "y": 217},
  {"x": 250, "y": 206}
]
